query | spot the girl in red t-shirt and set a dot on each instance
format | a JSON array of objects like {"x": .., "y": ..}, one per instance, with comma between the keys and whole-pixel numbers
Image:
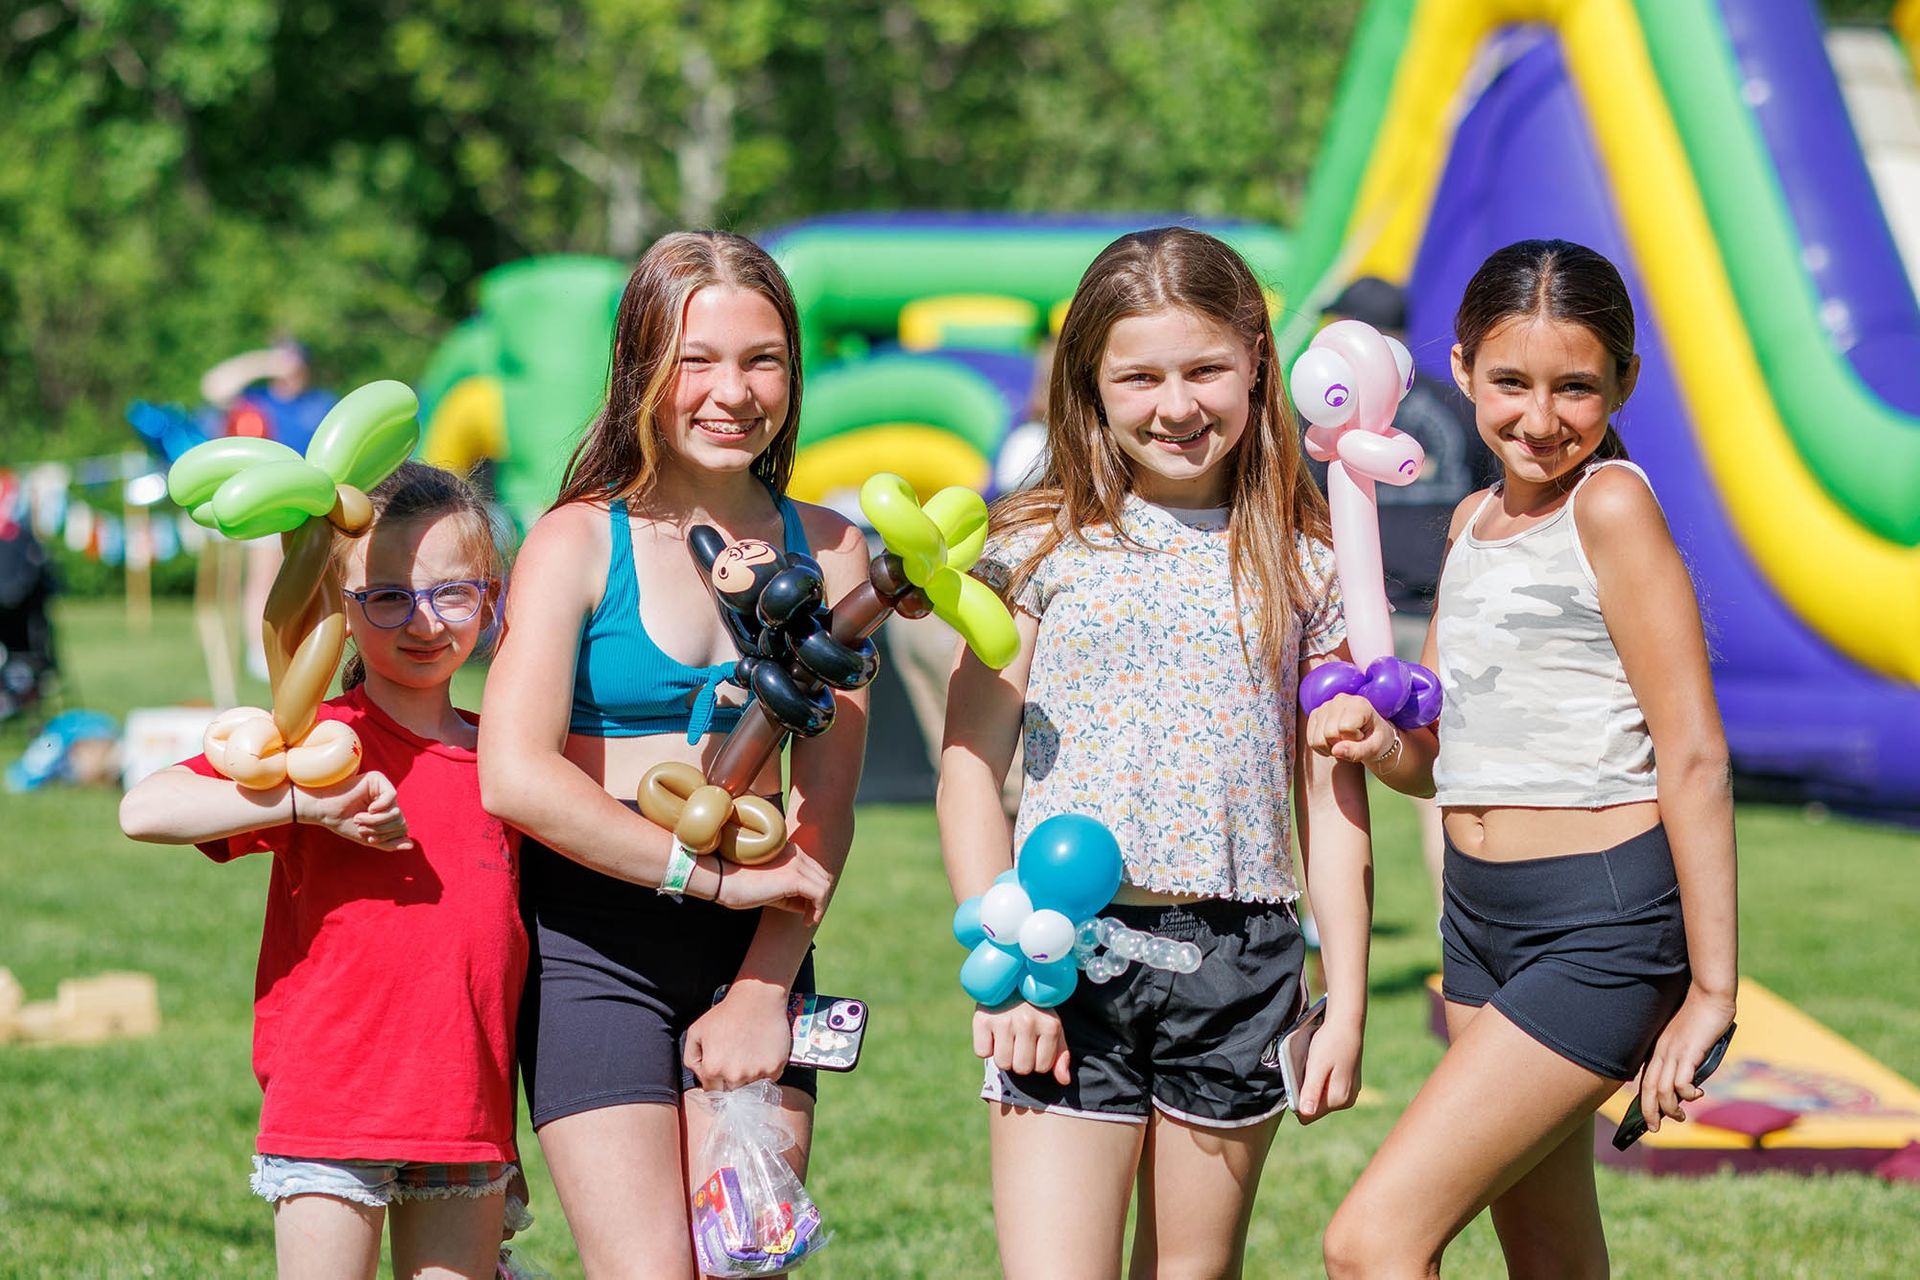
[{"x": 393, "y": 954}]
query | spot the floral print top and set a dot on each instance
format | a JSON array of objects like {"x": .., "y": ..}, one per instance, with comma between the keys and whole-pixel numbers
[{"x": 1146, "y": 710}]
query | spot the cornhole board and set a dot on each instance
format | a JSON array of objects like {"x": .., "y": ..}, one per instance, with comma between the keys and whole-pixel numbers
[{"x": 1790, "y": 1096}]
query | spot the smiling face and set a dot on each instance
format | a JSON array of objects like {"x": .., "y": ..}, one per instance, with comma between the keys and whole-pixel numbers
[
  {"x": 734, "y": 383},
  {"x": 1542, "y": 392},
  {"x": 416, "y": 554},
  {"x": 1176, "y": 391}
]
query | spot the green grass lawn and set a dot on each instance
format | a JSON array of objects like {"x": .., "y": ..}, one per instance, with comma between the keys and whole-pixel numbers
[{"x": 130, "y": 1159}]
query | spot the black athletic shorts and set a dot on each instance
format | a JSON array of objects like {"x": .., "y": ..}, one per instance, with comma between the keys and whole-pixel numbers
[
  {"x": 616, "y": 973},
  {"x": 1187, "y": 1044},
  {"x": 1586, "y": 953}
]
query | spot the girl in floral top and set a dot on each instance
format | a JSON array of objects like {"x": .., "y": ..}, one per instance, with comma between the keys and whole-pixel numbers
[{"x": 1171, "y": 580}]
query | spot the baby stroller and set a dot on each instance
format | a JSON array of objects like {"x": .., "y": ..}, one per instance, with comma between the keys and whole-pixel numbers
[{"x": 27, "y": 663}]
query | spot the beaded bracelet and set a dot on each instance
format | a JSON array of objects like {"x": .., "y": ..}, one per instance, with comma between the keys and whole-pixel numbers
[{"x": 1388, "y": 760}]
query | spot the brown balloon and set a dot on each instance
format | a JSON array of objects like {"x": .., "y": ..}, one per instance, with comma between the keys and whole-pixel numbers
[
  {"x": 702, "y": 817},
  {"x": 758, "y": 832},
  {"x": 304, "y": 632},
  {"x": 746, "y": 751},
  {"x": 329, "y": 753},
  {"x": 296, "y": 702},
  {"x": 707, "y": 819},
  {"x": 293, "y": 605},
  {"x": 665, "y": 788},
  {"x": 352, "y": 510}
]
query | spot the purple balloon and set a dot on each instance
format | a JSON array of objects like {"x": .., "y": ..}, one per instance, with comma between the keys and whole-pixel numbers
[
  {"x": 1422, "y": 706},
  {"x": 1326, "y": 681},
  {"x": 1389, "y": 681}
]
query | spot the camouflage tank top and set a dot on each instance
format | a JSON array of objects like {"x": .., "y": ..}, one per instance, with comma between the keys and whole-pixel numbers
[{"x": 1538, "y": 712}]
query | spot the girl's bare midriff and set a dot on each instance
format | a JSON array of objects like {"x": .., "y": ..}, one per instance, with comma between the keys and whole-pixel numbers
[
  {"x": 1515, "y": 835},
  {"x": 618, "y": 764}
]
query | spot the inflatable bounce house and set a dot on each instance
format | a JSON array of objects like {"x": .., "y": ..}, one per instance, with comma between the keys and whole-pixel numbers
[
  {"x": 1709, "y": 148},
  {"x": 512, "y": 387}
]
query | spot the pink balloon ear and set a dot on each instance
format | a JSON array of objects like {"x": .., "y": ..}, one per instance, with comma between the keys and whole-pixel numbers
[
  {"x": 1322, "y": 384},
  {"x": 1375, "y": 379},
  {"x": 1323, "y": 443},
  {"x": 1403, "y": 361}
]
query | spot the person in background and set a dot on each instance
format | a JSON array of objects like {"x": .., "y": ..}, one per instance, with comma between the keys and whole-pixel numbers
[{"x": 267, "y": 394}]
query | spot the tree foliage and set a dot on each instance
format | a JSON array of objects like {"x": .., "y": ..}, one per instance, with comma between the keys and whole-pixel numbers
[{"x": 183, "y": 179}]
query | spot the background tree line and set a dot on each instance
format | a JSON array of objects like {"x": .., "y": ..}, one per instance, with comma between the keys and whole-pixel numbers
[{"x": 182, "y": 179}]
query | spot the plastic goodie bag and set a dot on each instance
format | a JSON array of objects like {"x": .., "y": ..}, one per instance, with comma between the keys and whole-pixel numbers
[{"x": 751, "y": 1215}]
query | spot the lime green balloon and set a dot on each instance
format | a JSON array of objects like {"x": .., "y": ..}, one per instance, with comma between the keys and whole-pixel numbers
[
  {"x": 961, "y": 516},
  {"x": 197, "y": 473},
  {"x": 371, "y": 431},
  {"x": 272, "y": 497},
  {"x": 970, "y": 607},
  {"x": 934, "y": 544},
  {"x": 893, "y": 509}
]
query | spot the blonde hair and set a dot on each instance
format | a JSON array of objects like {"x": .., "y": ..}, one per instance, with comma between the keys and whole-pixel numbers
[{"x": 1272, "y": 496}]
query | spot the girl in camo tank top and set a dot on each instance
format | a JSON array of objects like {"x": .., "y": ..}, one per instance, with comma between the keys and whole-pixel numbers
[{"x": 1588, "y": 926}]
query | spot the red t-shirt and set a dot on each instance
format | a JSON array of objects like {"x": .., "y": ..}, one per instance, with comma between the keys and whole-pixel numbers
[{"x": 384, "y": 1007}]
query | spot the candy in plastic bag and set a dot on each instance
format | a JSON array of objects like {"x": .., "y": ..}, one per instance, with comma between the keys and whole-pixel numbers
[{"x": 751, "y": 1215}]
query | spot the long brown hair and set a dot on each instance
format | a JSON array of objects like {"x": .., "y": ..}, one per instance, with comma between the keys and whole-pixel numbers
[
  {"x": 1087, "y": 477},
  {"x": 619, "y": 456},
  {"x": 1558, "y": 280},
  {"x": 417, "y": 491}
]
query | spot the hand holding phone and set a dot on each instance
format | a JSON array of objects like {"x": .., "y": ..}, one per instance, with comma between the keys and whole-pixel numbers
[
  {"x": 1633, "y": 1125},
  {"x": 828, "y": 1031},
  {"x": 1287, "y": 1051}
]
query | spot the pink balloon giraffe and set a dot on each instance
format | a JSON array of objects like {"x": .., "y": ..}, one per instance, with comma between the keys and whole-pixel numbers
[{"x": 1348, "y": 384}]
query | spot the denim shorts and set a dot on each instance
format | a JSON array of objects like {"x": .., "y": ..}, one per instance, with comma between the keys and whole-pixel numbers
[
  {"x": 1586, "y": 953},
  {"x": 1187, "y": 1044},
  {"x": 376, "y": 1182}
]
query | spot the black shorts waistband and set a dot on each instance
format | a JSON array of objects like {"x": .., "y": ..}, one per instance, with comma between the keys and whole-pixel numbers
[
  {"x": 1634, "y": 873},
  {"x": 1190, "y": 920}
]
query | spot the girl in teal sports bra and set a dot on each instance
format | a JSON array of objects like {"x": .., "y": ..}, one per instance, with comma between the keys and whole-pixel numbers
[
  {"x": 625, "y": 685},
  {"x": 615, "y": 659}
]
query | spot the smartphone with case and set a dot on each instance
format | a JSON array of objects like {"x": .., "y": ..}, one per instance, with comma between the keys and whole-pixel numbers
[
  {"x": 1287, "y": 1052},
  {"x": 828, "y": 1031},
  {"x": 1633, "y": 1125}
]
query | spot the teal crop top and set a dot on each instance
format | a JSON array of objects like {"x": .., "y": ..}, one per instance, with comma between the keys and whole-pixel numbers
[{"x": 624, "y": 685}]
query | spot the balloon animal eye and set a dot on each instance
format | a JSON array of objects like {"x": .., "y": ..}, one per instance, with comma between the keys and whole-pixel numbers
[{"x": 1336, "y": 396}]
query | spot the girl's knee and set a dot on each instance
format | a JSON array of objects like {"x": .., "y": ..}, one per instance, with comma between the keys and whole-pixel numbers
[
  {"x": 1346, "y": 1245},
  {"x": 1356, "y": 1244}
]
